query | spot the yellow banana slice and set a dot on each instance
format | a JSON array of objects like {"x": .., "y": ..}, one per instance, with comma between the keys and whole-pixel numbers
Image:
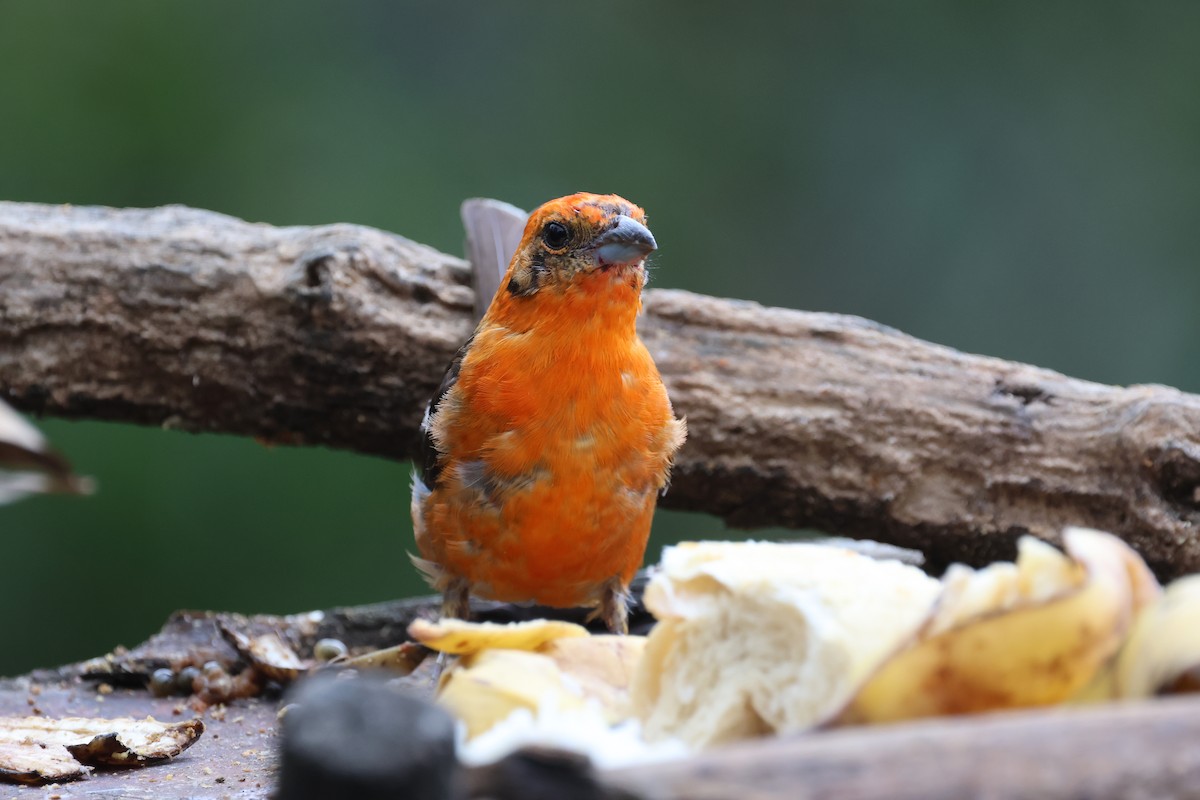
[
  {"x": 530, "y": 665},
  {"x": 496, "y": 683}
]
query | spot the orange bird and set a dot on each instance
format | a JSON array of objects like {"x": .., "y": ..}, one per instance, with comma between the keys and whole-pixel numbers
[{"x": 551, "y": 436}]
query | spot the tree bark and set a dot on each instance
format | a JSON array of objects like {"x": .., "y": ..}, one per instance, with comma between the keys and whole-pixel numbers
[{"x": 337, "y": 335}]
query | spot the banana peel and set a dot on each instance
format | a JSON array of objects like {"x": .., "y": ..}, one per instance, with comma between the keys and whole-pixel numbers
[
  {"x": 458, "y": 637},
  {"x": 1162, "y": 653},
  {"x": 1009, "y": 636},
  {"x": 530, "y": 665},
  {"x": 1164, "y": 646}
]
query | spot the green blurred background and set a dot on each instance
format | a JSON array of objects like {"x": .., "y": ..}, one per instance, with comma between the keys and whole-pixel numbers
[{"x": 1017, "y": 179}]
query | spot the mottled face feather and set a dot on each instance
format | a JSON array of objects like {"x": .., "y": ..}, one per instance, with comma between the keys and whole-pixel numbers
[
  {"x": 576, "y": 235},
  {"x": 525, "y": 281}
]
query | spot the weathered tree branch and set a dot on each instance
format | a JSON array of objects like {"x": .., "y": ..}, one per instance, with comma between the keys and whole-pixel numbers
[{"x": 337, "y": 335}]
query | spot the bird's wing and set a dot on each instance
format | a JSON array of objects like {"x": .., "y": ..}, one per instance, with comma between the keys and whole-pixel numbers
[
  {"x": 430, "y": 460},
  {"x": 494, "y": 230}
]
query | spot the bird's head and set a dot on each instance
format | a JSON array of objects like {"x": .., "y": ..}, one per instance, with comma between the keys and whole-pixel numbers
[{"x": 576, "y": 238}]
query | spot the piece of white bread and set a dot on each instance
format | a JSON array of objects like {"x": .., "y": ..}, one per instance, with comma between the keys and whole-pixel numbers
[{"x": 758, "y": 637}]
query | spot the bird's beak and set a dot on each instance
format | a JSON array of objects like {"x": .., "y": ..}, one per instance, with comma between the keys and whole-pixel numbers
[{"x": 626, "y": 242}]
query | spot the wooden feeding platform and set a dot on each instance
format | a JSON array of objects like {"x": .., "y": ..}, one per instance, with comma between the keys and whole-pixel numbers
[{"x": 1135, "y": 749}]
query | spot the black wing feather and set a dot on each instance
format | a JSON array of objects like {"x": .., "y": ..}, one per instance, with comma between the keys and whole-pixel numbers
[{"x": 431, "y": 459}]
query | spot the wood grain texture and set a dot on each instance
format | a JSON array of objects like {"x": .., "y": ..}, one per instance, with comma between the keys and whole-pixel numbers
[
  {"x": 1134, "y": 750},
  {"x": 337, "y": 335}
]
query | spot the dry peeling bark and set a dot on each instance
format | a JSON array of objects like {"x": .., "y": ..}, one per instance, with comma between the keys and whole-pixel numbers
[{"x": 337, "y": 335}]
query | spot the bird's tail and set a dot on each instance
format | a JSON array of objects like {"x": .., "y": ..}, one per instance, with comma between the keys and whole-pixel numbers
[{"x": 494, "y": 230}]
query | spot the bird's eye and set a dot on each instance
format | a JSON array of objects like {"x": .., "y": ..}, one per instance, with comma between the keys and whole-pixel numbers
[{"x": 556, "y": 235}]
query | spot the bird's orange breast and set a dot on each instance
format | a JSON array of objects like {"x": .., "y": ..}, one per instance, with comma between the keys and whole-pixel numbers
[{"x": 560, "y": 435}]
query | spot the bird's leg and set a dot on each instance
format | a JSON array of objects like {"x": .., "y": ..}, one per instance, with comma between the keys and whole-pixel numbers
[
  {"x": 614, "y": 606},
  {"x": 456, "y": 603},
  {"x": 456, "y": 599}
]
